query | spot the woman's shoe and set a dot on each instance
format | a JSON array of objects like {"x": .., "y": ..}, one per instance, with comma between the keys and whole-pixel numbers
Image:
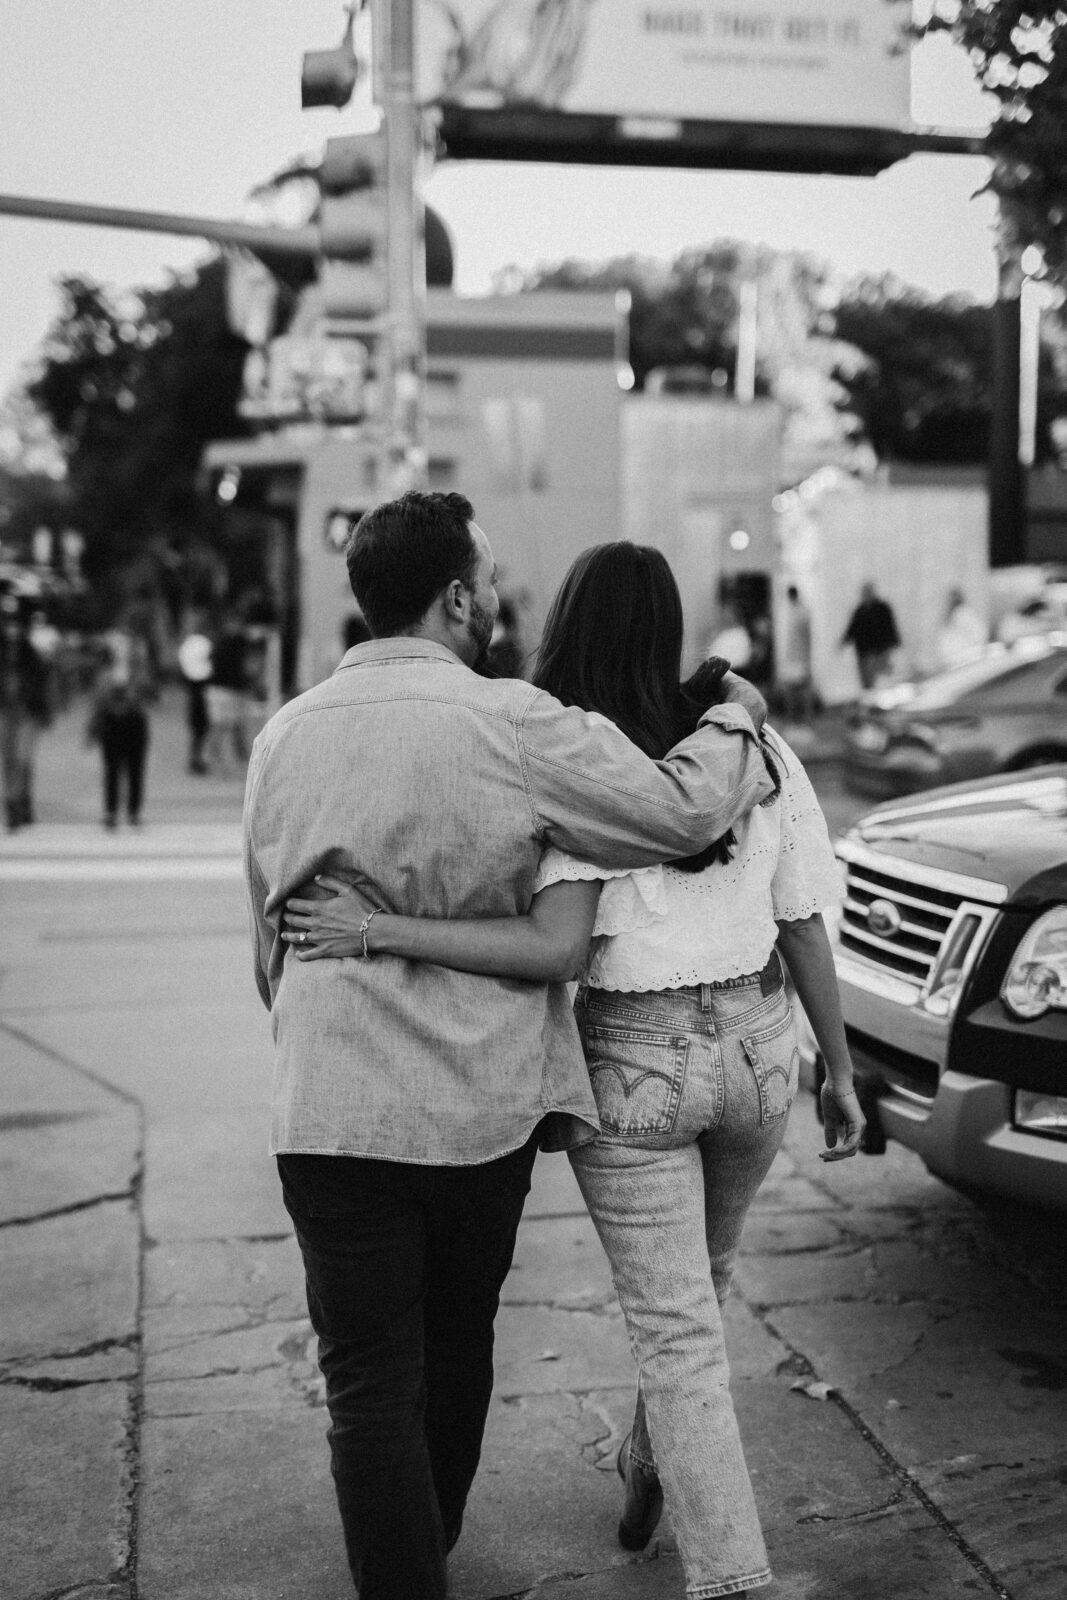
[{"x": 643, "y": 1505}]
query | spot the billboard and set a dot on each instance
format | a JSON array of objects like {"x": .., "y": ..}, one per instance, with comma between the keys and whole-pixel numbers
[{"x": 830, "y": 63}]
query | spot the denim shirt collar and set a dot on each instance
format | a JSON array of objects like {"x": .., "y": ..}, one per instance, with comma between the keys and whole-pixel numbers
[{"x": 399, "y": 647}]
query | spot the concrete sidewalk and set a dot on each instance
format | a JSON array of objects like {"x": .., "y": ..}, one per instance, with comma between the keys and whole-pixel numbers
[{"x": 897, "y": 1378}]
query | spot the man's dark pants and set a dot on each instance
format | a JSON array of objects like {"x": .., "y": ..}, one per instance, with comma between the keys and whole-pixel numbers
[{"x": 404, "y": 1266}]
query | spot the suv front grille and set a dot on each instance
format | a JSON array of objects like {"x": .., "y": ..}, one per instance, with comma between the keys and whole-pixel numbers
[
  {"x": 925, "y": 917},
  {"x": 923, "y": 904}
]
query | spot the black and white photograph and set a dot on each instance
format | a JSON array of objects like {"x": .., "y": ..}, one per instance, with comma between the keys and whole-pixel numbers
[{"x": 533, "y": 736}]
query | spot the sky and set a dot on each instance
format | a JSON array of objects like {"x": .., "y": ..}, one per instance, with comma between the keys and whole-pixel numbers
[{"x": 184, "y": 105}]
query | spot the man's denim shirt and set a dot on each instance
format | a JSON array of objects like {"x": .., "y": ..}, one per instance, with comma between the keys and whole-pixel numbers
[{"x": 443, "y": 788}]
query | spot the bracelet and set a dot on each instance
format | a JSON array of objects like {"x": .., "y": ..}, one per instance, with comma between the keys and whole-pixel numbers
[{"x": 364, "y": 925}]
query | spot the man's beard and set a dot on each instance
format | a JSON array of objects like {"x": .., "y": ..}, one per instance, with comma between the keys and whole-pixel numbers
[{"x": 480, "y": 631}]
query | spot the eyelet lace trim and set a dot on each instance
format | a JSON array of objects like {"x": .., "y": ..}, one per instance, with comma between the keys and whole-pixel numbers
[{"x": 660, "y": 928}]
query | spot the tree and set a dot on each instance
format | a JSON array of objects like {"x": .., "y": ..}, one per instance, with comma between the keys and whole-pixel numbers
[
  {"x": 682, "y": 313},
  {"x": 685, "y": 314},
  {"x": 1018, "y": 49},
  {"x": 923, "y": 391},
  {"x": 134, "y": 387}
]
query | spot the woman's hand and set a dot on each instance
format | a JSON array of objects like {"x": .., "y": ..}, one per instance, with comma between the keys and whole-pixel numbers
[
  {"x": 327, "y": 927},
  {"x": 842, "y": 1120}
]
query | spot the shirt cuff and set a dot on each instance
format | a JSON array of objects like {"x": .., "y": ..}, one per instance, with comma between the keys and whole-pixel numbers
[{"x": 729, "y": 716}]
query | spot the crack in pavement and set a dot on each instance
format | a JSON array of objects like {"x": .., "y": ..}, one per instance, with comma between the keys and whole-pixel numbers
[
  {"x": 54, "y": 1385},
  {"x": 591, "y": 1450},
  {"x": 606, "y": 1305},
  {"x": 255, "y": 1316},
  {"x": 907, "y": 1480},
  {"x": 134, "y": 1427},
  {"x": 72, "y": 1209},
  {"x": 61, "y": 1060},
  {"x": 895, "y": 1499},
  {"x": 99, "y": 1347},
  {"x": 892, "y": 1302},
  {"x": 89, "y": 1589}
]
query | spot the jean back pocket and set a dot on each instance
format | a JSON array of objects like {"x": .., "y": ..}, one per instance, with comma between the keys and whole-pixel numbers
[
  {"x": 637, "y": 1076},
  {"x": 775, "y": 1060}
]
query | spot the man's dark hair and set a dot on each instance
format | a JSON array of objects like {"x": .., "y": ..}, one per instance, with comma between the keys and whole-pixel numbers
[{"x": 402, "y": 553}]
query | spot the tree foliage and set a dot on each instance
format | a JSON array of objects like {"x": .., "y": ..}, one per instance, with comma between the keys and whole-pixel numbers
[
  {"x": 682, "y": 313},
  {"x": 134, "y": 387},
  {"x": 923, "y": 391},
  {"x": 684, "y": 317},
  {"x": 1018, "y": 49}
]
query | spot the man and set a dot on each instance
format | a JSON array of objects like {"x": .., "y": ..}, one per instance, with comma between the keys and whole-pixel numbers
[
  {"x": 409, "y": 1099},
  {"x": 872, "y": 632},
  {"x": 195, "y": 666}
]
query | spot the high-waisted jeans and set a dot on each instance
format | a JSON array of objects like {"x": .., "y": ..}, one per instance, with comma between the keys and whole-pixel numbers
[{"x": 693, "y": 1087}]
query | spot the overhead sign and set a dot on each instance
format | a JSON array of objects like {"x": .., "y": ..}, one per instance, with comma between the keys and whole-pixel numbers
[{"x": 801, "y": 62}]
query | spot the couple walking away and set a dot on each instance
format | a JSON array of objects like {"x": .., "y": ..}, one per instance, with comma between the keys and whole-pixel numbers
[{"x": 430, "y": 855}]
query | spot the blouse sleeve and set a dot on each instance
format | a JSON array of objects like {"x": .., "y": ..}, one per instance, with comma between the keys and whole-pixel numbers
[
  {"x": 631, "y": 899},
  {"x": 556, "y": 866},
  {"x": 807, "y": 878}
]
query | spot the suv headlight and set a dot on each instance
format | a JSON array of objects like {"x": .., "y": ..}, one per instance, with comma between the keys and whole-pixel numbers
[{"x": 1036, "y": 981}]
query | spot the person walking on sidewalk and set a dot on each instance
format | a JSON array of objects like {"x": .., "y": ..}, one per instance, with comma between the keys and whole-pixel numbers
[
  {"x": 119, "y": 725},
  {"x": 409, "y": 1099},
  {"x": 195, "y": 666},
  {"x": 688, "y": 1036},
  {"x": 26, "y": 680},
  {"x": 794, "y": 659},
  {"x": 873, "y": 633}
]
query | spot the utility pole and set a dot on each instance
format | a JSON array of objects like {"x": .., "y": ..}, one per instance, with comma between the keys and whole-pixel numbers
[
  {"x": 1007, "y": 484},
  {"x": 405, "y": 339}
]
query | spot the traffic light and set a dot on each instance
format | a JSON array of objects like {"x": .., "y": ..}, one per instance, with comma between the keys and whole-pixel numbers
[
  {"x": 353, "y": 228},
  {"x": 328, "y": 77}
]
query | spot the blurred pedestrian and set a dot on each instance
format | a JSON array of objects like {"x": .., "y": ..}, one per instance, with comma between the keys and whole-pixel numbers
[
  {"x": 194, "y": 663},
  {"x": 119, "y": 725},
  {"x": 794, "y": 659},
  {"x": 25, "y": 709},
  {"x": 760, "y": 669},
  {"x": 962, "y": 635},
  {"x": 873, "y": 634},
  {"x": 732, "y": 642},
  {"x": 227, "y": 695}
]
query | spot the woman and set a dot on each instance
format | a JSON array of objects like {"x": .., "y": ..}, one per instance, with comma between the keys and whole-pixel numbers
[{"x": 688, "y": 1037}]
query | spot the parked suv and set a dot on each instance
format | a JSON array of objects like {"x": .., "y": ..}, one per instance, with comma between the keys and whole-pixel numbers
[{"x": 951, "y": 954}]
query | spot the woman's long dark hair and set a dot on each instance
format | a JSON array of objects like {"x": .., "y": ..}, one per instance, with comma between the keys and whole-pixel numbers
[{"x": 613, "y": 644}]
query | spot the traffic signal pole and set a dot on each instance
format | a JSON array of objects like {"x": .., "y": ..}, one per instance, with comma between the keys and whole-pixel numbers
[
  {"x": 296, "y": 244},
  {"x": 405, "y": 339}
]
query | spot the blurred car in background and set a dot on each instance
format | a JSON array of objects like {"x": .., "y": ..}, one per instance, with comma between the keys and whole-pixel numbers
[
  {"x": 951, "y": 957},
  {"x": 1004, "y": 712}
]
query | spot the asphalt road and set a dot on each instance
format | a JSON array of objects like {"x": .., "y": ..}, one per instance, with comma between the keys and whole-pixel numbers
[{"x": 899, "y": 1353}]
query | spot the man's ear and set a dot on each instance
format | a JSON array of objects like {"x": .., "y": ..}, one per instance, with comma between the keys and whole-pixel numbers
[{"x": 454, "y": 599}]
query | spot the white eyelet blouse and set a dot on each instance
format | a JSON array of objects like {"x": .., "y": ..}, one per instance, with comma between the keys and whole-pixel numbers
[{"x": 659, "y": 928}]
